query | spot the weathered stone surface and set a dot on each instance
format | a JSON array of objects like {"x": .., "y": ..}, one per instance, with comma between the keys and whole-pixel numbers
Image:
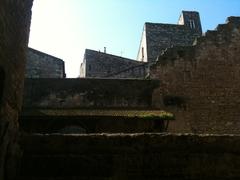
[
  {"x": 131, "y": 156},
  {"x": 200, "y": 84},
  {"x": 157, "y": 37},
  {"x": 138, "y": 72},
  {"x": 15, "y": 18},
  {"x": 88, "y": 93},
  {"x": 102, "y": 65},
  {"x": 42, "y": 65},
  {"x": 92, "y": 121}
]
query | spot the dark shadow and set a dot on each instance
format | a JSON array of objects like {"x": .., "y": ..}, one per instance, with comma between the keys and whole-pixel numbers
[
  {"x": 2, "y": 78},
  {"x": 177, "y": 101}
]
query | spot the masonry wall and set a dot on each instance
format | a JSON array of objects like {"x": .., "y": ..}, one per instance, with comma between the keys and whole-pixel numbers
[
  {"x": 156, "y": 37},
  {"x": 98, "y": 64},
  {"x": 136, "y": 156},
  {"x": 15, "y": 18},
  {"x": 162, "y": 36},
  {"x": 136, "y": 72},
  {"x": 200, "y": 84},
  {"x": 88, "y": 93},
  {"x": 42, "y": 65}
]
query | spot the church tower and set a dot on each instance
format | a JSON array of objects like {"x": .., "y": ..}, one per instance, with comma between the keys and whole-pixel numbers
[{"x": 192, "y": 20}]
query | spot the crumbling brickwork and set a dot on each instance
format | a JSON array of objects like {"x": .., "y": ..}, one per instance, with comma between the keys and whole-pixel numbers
[
  {"x": 15, "y": 18},
  {"x": 201, "y": 84}
]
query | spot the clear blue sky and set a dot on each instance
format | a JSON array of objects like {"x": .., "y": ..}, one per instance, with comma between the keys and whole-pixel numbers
[{"x": 65, "y": 28}]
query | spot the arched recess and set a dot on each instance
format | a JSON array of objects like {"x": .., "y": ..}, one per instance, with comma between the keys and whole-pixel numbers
[{"x": 2, "y": 79}]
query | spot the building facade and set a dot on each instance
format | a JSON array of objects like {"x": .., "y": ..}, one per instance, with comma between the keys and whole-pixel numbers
[
  {"x": 42, "y": 65},
  {"x": 100, "y": 64},
  {"x": 157, "y": 37}
]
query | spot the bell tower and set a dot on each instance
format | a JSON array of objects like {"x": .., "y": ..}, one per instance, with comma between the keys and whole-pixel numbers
[{"x": 192, "y": 20}]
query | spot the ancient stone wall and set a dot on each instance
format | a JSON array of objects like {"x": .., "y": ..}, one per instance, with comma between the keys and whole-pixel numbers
[
  {"x": 15, "y": 18},
  {"x": 42, "y": 65},
  {"x": 98, "y": 64},
  {"x": 88, "y": 93},
  {"x": 131, "y": 156},
  {"x": 200, "y": 84}
]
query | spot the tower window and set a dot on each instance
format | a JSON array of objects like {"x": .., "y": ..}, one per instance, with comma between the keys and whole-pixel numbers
[
  {"x": 192, "y": 24},
  {"x": 2, "y": 78},
  {"x": 89, "y": 67},
  {"x": 142, "y": 53}
]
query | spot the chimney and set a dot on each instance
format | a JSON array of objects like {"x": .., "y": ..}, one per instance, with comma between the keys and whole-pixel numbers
[{"x": 105, "y": 50}]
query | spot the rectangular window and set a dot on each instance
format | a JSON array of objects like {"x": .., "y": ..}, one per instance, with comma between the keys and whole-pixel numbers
[
  {"x": 192, "y": 24},
  {"x": 142, "y": 53},
  {"x": 89, "y": 67}
]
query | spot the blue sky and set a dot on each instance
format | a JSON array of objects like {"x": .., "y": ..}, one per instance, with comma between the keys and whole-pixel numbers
[{"x": 65, "y": 28}]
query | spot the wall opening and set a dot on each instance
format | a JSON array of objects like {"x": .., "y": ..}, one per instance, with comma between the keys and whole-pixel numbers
[
  {"x": 2, "y": 78},
  {"x": 192, "y": 24},
  {"x": 142, "y": 53}
]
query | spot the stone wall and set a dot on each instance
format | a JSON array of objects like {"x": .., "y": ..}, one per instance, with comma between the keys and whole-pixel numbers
[
  {"x": 200, "y": 84},
  {"x": 101, "y": 65},
  {"x": 136, "y": 156},
  {"x": 85, "y": 121},
  {"x": 88, "y": 93},
  {"x": 162, "y": 36},
  {"x": 15, "y": 18},
  {"x": 42, "y": 65},
  {"x": 157, "y": 37},
  {"x": 136, "y": 72}
]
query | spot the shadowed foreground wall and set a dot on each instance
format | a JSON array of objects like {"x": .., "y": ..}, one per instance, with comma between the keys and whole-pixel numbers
[
  {"x": 88, "y": 93},
  {"x": 201, "y": 84},
  {"x": 15, "y": 18},
  {"x": 137, "y": 156}
]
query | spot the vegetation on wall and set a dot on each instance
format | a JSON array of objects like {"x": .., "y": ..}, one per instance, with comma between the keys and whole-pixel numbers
[{"x": 162, "y": 115}]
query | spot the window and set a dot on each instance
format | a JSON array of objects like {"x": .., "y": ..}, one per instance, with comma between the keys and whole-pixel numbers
[
  {"x": 89, "y": 67},
  {"x": 142, "y": 53},
  {"x": 192, "y": 24},
  {"x": 2, "y": 78}
]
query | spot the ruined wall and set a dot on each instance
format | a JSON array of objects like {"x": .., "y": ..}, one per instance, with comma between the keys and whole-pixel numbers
[
  {"x": 88, "y": 93},
  {"x": 15, "y": 18},
  {"x": 42, "y": 65},
  {"x": 82, "y": 121},
  {"x": 200, "y": 84},
  {"x": 98, "y": 64},
  {"x": 136, "y": 156}
]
